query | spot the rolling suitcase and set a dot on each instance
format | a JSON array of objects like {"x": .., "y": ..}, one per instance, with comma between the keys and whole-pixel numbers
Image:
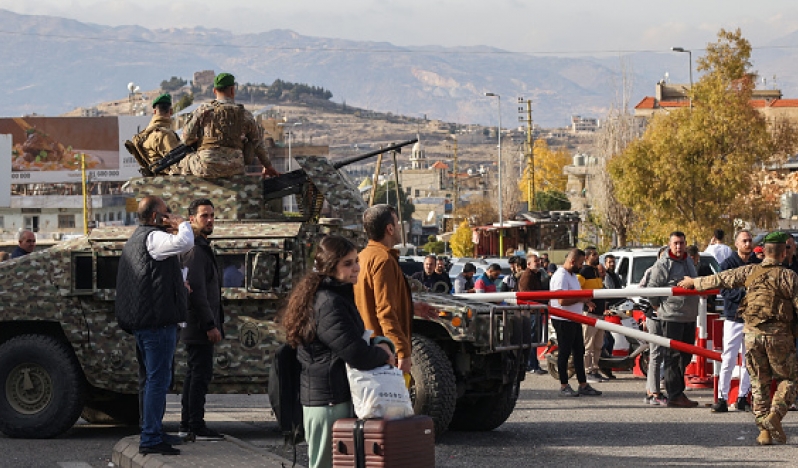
[{"x": 365, "y": 443}]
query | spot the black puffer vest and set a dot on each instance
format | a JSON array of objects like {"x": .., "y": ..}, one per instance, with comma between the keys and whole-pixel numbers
[{"x": 149, "y": 294}]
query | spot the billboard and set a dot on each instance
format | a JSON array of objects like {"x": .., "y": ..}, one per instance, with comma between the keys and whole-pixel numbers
[{"x": 48, "y": 149}]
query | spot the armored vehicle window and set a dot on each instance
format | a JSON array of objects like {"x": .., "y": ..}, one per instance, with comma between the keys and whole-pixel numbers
[
  {"x": 83, "y": 272},
  {"x": 263, "y": 268},
  {"x": 106, "y": 272},
  {"x": 232, "y": 268}
]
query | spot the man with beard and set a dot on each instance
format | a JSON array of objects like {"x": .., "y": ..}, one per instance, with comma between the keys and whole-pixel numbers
[
  {"x": 204, "y": 323},
  {"x": 678, "y": 315},
  {"x": 733, "y": 344},
  {"x": 569, "y": 334},
  {"x": 589, "y": 278}
]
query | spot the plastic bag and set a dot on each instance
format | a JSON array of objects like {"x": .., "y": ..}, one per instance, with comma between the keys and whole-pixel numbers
[{"x": 379, "y": 393}]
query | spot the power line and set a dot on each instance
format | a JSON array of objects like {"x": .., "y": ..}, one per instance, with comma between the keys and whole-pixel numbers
[{"x": 397, "y": 50}]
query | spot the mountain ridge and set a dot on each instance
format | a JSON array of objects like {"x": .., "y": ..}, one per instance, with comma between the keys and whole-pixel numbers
[{"x": 54, "y": 65}]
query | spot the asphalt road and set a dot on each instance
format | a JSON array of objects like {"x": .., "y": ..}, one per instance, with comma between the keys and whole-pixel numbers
[{"x": 616, "y": 429}]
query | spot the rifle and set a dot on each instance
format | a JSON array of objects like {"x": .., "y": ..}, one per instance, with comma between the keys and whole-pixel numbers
[
  {"x": 173, "y": 157},
  {"x": 291, "y": 183}
]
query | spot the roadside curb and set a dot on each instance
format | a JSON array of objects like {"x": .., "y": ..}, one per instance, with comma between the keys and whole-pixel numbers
[{"x": 230, "y": 453}]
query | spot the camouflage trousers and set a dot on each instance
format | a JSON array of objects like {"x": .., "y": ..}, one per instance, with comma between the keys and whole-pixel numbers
[
  {"x": 768, "y": 358},
  {"x": 217, "y": 162}
]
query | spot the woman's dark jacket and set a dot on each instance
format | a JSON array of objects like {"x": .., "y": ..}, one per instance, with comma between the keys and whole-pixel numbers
[{"x": 338, "y": 341}]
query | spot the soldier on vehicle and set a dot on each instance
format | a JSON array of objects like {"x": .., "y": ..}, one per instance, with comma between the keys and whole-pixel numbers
[
  {"x": 159, "y": 138},
  {"x": 768, "y": 310},
  {"x": 226, "y": 135}
]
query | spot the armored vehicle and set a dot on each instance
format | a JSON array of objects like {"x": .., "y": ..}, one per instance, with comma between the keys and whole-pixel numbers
[{"x": 62, "y": 354}]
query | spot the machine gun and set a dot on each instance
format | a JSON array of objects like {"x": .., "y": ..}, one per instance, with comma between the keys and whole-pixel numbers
[
  {"x": 292, "y": 183},
  {"x": 173, "y": 157}
]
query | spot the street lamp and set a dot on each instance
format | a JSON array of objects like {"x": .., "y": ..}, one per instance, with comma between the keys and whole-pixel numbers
[
  {"x": 290, "y": 137},
  {"x": 501, "y": 209},
  {"x": 690, "y": 58}
]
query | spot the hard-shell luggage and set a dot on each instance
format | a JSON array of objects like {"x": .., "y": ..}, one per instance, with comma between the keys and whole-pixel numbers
[{"x": 365, "y": 443}]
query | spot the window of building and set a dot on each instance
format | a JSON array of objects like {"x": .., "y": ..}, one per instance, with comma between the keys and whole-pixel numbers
[
  {"x": 66, "y": 221},
  {"x": 31, "y": 223},
  {"x": 110, "y": 216},
  {"x": 2, "y": 223},
  {"x": 418, "y": 193}
]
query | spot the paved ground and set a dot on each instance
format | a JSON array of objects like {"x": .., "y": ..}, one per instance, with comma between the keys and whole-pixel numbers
[{"x": 614, "y": 430}]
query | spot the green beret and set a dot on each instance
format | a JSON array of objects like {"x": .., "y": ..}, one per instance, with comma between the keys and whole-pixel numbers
[
  {"x": 164, "y": 98},
  {"x": 776, "y": 237},
  {"x": 223, "y": 80}
]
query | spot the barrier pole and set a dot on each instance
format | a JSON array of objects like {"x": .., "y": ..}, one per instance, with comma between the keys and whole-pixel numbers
[
  {"x": 637, "y": 334},
  {"x": 700, "y": 379}
]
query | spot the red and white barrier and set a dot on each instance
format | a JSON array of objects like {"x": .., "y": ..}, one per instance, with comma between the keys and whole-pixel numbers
[
  {"x": 640, "y": 335},
  {"x": 586, "y": 294},
  {"x": 700, "y": 352}
]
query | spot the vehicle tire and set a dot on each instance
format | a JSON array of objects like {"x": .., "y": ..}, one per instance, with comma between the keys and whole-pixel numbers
[
  {"x": 434, "y": 389},
  {"x": 120, "y": 409},
  {"x": 42, "y": 387},
  {"x": 642, "y": 362},
  {"x": 551, "y": 365},
  {"x": 488, "y": 412}
]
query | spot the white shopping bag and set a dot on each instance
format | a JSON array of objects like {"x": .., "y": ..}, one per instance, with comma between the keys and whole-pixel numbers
[{"x": 379, "y": 393}]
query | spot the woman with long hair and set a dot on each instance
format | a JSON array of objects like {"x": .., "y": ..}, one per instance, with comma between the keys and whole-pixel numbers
[{"x": 322, "y": 322}]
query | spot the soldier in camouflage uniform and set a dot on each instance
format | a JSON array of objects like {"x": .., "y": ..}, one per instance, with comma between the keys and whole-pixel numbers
[
  {"x": 160, "y": 138},
  {"x": 226, "y": 135},
  {"x": 769, "y": 313}
]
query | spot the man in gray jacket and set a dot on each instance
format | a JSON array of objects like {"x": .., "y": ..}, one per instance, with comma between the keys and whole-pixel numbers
[{"x": 678, "y": 315}]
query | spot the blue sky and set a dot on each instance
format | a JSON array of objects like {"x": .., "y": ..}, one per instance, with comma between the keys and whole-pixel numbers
[{"x": 561, "y": 28}]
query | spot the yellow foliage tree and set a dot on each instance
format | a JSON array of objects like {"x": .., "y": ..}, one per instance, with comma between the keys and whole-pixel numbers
[
  {"x": 461, "y": 241},
  {"x": 692, "y": 165},
  {"x": 480, "y": 211},
  {"x": 549, "y": 164}
]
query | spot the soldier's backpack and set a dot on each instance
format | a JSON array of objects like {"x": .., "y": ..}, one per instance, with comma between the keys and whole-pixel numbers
[{"x": 284, "y": 393}]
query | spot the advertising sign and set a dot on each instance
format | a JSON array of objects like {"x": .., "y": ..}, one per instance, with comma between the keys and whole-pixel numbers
[{"x": 48, "y": 149}]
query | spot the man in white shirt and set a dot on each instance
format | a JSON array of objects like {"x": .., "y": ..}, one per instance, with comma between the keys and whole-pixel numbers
[
  {"x": 151, "y": 301},
  {"x": 569, "y": 334},
  {"x": 717, "y": 248}
]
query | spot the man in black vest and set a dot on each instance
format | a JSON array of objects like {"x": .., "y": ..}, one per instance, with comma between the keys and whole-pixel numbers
[
  {"x": 204, "y": 324},
  {"x": 150, "y": 303}
]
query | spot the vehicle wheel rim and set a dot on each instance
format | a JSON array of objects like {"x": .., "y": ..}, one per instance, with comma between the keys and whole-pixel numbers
[{"x": 29, "y": 388}]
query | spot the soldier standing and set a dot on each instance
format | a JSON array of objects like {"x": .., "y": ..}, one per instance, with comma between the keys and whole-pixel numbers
[
  {"x": 226, "y": 135},
  {"x": 768, "y": 310}
]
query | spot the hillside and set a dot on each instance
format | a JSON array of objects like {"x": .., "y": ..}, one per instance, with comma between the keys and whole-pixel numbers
[{"x": 53, "y": 65}]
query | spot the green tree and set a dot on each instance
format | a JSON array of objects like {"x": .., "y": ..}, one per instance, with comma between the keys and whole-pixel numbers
[
  {"x": 173, "y": 84},
  {"x": 184, "y": 101},
  {"x": 552, "y": 200},
  {"x": 386, "y": 193},
  {"x": 461, "y": 243},
  {"x": 692, "y": 166}
]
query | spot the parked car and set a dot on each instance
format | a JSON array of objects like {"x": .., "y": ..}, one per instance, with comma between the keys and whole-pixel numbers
[{"x": 631, "y": 265}]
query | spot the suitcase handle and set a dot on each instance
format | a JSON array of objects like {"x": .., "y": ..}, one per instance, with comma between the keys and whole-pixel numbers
[{"x": 360, "y": 449}]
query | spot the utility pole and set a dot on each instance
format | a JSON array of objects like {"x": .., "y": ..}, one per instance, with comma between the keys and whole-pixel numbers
[
  {"x": 456, "y": 183},
  {"x": 375, "y": 180},
  {"x": 530, "y": 183},
  {"x": 398, "y": 199}
]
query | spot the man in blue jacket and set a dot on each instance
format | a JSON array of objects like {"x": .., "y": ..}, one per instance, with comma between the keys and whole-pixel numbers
[{"x": 733, "y": 344}]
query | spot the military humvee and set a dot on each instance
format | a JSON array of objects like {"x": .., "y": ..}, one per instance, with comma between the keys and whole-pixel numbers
[{"x": 62, "y": 354}]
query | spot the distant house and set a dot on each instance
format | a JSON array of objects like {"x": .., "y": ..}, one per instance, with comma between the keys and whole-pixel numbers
[{"x": 669, "y": 97}]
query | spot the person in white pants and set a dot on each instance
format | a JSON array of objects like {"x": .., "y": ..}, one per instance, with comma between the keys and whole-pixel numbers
[{"x": 733, "y": 344}]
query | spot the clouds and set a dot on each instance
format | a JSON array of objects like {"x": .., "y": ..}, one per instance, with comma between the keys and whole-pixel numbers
[{"x": 577, "y": 26}]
